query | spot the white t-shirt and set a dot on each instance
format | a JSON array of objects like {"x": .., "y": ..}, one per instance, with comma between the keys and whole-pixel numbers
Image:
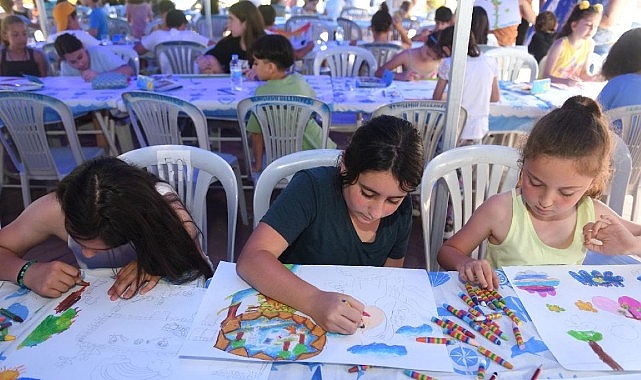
[
  {"x": 150, "y": 41},
  {"x": 87, "y": 39},
  {"x": 477, "y": 88}
]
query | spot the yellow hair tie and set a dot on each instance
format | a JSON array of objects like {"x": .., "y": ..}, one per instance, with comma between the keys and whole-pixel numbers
[
  {"x": 583, "y": 5},
  {"x": 598, "y": 7}
]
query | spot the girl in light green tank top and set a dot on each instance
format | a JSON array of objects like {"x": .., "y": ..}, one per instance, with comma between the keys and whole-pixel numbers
[{"x": 554, "y": 215}]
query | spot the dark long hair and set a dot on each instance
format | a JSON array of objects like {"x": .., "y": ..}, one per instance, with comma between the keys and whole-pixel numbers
[
  {"x": 247, "y": 12},
  {"x": 385, "y": 143},
  {"x": 118, "y": 203},
  {"x": 576, "y": 15},
  {"x": 624, "y": 56}
]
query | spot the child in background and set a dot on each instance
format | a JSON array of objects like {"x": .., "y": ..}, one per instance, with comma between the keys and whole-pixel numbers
[
  {"x": 417, "y": 63},
  {"x": 622, "y": 70},
  {"x": 401, "y": 13},
  {"x": 273, "y": 56},
  {"x": 545, "y": 27},
  {"x": 549, "y": 218},
  {"x": 381, "y": 25},
  {"x": 87, "y": 62},
  {"x": 358, "y": 212},
  {"x": 138, "y": 14},
  {"x": 443, "y": 18},
  {"x": 480, "y": 86},
  {"x": 568, "y": 59},
  {"x": 16, "y": 59},
  {"x": 97, "y": 20}
]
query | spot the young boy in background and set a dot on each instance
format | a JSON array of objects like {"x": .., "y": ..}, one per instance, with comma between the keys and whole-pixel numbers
[{"x": 273, "y": 57}]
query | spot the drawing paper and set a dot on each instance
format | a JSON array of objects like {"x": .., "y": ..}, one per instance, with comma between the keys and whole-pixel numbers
[
  {"x": 236, "y": 322},
  {"x": 588, "y": 316},
  {"x": 101, "y": 339}
]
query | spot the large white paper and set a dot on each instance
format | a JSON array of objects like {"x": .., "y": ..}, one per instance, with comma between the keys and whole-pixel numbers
[
  {"x": 588, "y": 316},
  {"x": 101, "y": 339},
  {"x": 235, "y": 317}
]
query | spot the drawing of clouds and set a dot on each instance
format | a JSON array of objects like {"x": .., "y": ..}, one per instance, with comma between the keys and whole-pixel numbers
[
  {"x": 413, "y": 331},
  {"x": 379, "y": 349}
]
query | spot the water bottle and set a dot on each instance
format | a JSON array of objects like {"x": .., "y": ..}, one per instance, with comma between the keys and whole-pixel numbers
[
  {"x": 236, "y": 71},
  {"x": 339, "y": 35}
]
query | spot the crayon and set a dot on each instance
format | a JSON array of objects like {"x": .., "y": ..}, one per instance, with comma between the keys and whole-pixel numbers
[
  {"x": 512, "y": 316},
  {"x": 467, "y": 299},
  {"x": 494, "y": 357},
  {"x": 536, "y": 373},
  {"x": 518, "y": 336},
  {"x": 416, "y": 375},
  {"x": 472, "y": 293},
  {"x": 435, "y": 340},
  {"x": 7, "y": 338},
  {"x": 493, "y": 327},
  {"x": 4, "y": 325},
  {"x": 359, "y": 368},
  {"x": 480, "y": 373},
  {"x": 486, "y": 333},
  {"x": 494, "y": 376},
  {"x": 447, "y": 324},
  {"x": 488, "y": 317},
  {"x": 462, "y": 314},
  {"x": 460, "y": 336},
  {"x": 11, "y": 315}
]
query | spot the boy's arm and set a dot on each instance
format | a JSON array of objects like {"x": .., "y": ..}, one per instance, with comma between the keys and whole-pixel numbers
[{"x": 258, "y": 265}]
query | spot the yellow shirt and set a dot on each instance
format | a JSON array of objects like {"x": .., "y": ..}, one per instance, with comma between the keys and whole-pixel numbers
[
  {"x": 522, "y": 245},
  {"x": 571, "y": 61}
]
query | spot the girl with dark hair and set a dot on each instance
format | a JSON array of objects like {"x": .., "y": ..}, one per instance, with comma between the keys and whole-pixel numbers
[
  {"x": 246, "y": 26},
  {"x": 356, "y": 213},
  {"x": 16, "y": 58},
  {"x": 417, "y": 63},
  {"x": 550, "y": 218},
  {"x": 382, "y": 24},
  {"x": 568, "y": 59},
  {"x": 622, "y": 69},
  {"x": 112, "y": 214},
  {"x": 481, "y": 27},
  {"x": 545, "y": 28}
]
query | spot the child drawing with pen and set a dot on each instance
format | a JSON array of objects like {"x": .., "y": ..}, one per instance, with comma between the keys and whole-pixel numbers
[
  {"x": 112, "y": 215},
  {"x": 554, "y": 215},
  {"x": 358, "y": 212}
]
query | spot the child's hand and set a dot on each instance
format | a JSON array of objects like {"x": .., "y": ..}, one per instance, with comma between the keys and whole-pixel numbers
[
  {"x": 408, "y": 76},
  {"x": 88, "y": 75},
  {"x": 125, "y": 285},
  {"x": 479, "y": 272},
  {"x": 336, "y": 312},
  {"x": 250, "y": 74},
  {"x": 607, "y": 235},
  {"x": 207, "y": 64},
  {"x": 51, "y": 279}
]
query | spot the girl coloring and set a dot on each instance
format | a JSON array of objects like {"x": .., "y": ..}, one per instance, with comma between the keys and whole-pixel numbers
[{"x": 549, "y": 218}]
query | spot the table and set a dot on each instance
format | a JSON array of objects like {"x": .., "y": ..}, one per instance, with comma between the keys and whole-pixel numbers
[{"x": 139, "y": 338}]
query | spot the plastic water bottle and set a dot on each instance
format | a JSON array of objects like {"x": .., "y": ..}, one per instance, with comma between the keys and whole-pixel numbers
[
  {"x": 339, "y": 35},
  {"x": 236, "y": 71}
]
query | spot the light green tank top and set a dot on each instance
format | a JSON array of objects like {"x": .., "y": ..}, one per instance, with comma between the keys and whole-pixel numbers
[{"x": 522, "y": 245}]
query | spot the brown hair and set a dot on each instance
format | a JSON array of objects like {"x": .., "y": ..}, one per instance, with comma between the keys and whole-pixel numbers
[
  {"x": 578, "y": 131},
  {"x": 4, "y": 29},
  {"x": 247, "y": 12}
]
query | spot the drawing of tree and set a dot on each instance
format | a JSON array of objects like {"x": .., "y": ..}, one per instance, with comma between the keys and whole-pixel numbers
[{"x": 592, "y": 337}]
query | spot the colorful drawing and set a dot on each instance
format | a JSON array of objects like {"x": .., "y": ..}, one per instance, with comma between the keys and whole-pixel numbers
[
  {"x": 70, "y": 300},
  {"x": 592, "y": 337},
  {"x": 595, "y": 278},
  {"x": 49, "y": 326},
  {"x": 554, "y": 308},
  {"x": 626, "y": 306},
  {"x": 438, "y": 278},
  {"x": 585, "y": 306},
  {"x": 11, "y": 373},
  {"x": 270, "y": 331},
  {"x": 538, "y": 283}
]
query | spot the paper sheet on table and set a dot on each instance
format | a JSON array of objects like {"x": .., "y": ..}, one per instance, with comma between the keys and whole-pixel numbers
[
  {"x": 103, "y": 339},
  {"x": 235, "y": 321},
  {"x": 588, "y": 316}
]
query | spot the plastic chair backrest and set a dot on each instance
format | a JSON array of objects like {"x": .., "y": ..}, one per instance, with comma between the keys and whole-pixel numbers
[
  {"x": 118, "y": 26},
  {"x": 351, "y": 29},
  {"x": 155, "y": 118},
  {"x": 284, "y": 168},
  {"x": 23, "y": 116},
  {"x": 428, "y": 116},
  {"x": 53, "y": 60},
  {"x": 190, "y": 171},
  {"x": 345, "y": 61},
  {"x": 178, "y": 57},
  {"x": 622, "y": 168},
  {"x": 382, "y": 51},
  {"x": 355, "y": 13},
  {"x": 295, "y": 22},
  {"x": 128, "y": 54},
  {"x": 319, "y": 29},
  {"x": 511, "y": 61},
  {"x": 470, "y": 175},
  {"x": 218, "y": 25},
  {"x": 283, "y": 119},
  {"x": 512, "y": 138}
]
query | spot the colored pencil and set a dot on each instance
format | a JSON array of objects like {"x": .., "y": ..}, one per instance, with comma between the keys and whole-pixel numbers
[
  {"x": 10, "y": 315},
  {"x": 494, "y": 357},
  {"x": 536, "y": 373},
  {"x": 416, "y": 375}
]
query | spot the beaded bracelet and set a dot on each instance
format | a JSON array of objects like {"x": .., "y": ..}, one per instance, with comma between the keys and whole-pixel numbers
[{"x": 23, "y": 270}]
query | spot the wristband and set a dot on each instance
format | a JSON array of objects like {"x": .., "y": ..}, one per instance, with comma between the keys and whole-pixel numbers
[{"x": 23, "y": 270}]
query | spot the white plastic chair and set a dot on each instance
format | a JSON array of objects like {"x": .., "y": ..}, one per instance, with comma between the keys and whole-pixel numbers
[
  {"x": 627, "y": 123},
  {"x": 178, "y": 57},
  {"x": 355, "y": 13},
  {"x": 382, "y": 51},
  {"x": 351, "y": 29},
  {"x": 470, "y": 175},
  {"x": 24, "y": 136},
  {"x": 345, "y": 61},
  {"x": 118, "y": 26},
  {"x": 155, "y": 120},
  {"x": 511, "y": 138},
  {"x": 622, "y": 165},
  {"x": 218, "y": 24},
  {"x": 282, "y": 120},
  {"x": 283, "y": 169},
  {"x": 190, "y": 171},
  {"x": 511, "y": 61},
  {"x": 428, "y": 116}
]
